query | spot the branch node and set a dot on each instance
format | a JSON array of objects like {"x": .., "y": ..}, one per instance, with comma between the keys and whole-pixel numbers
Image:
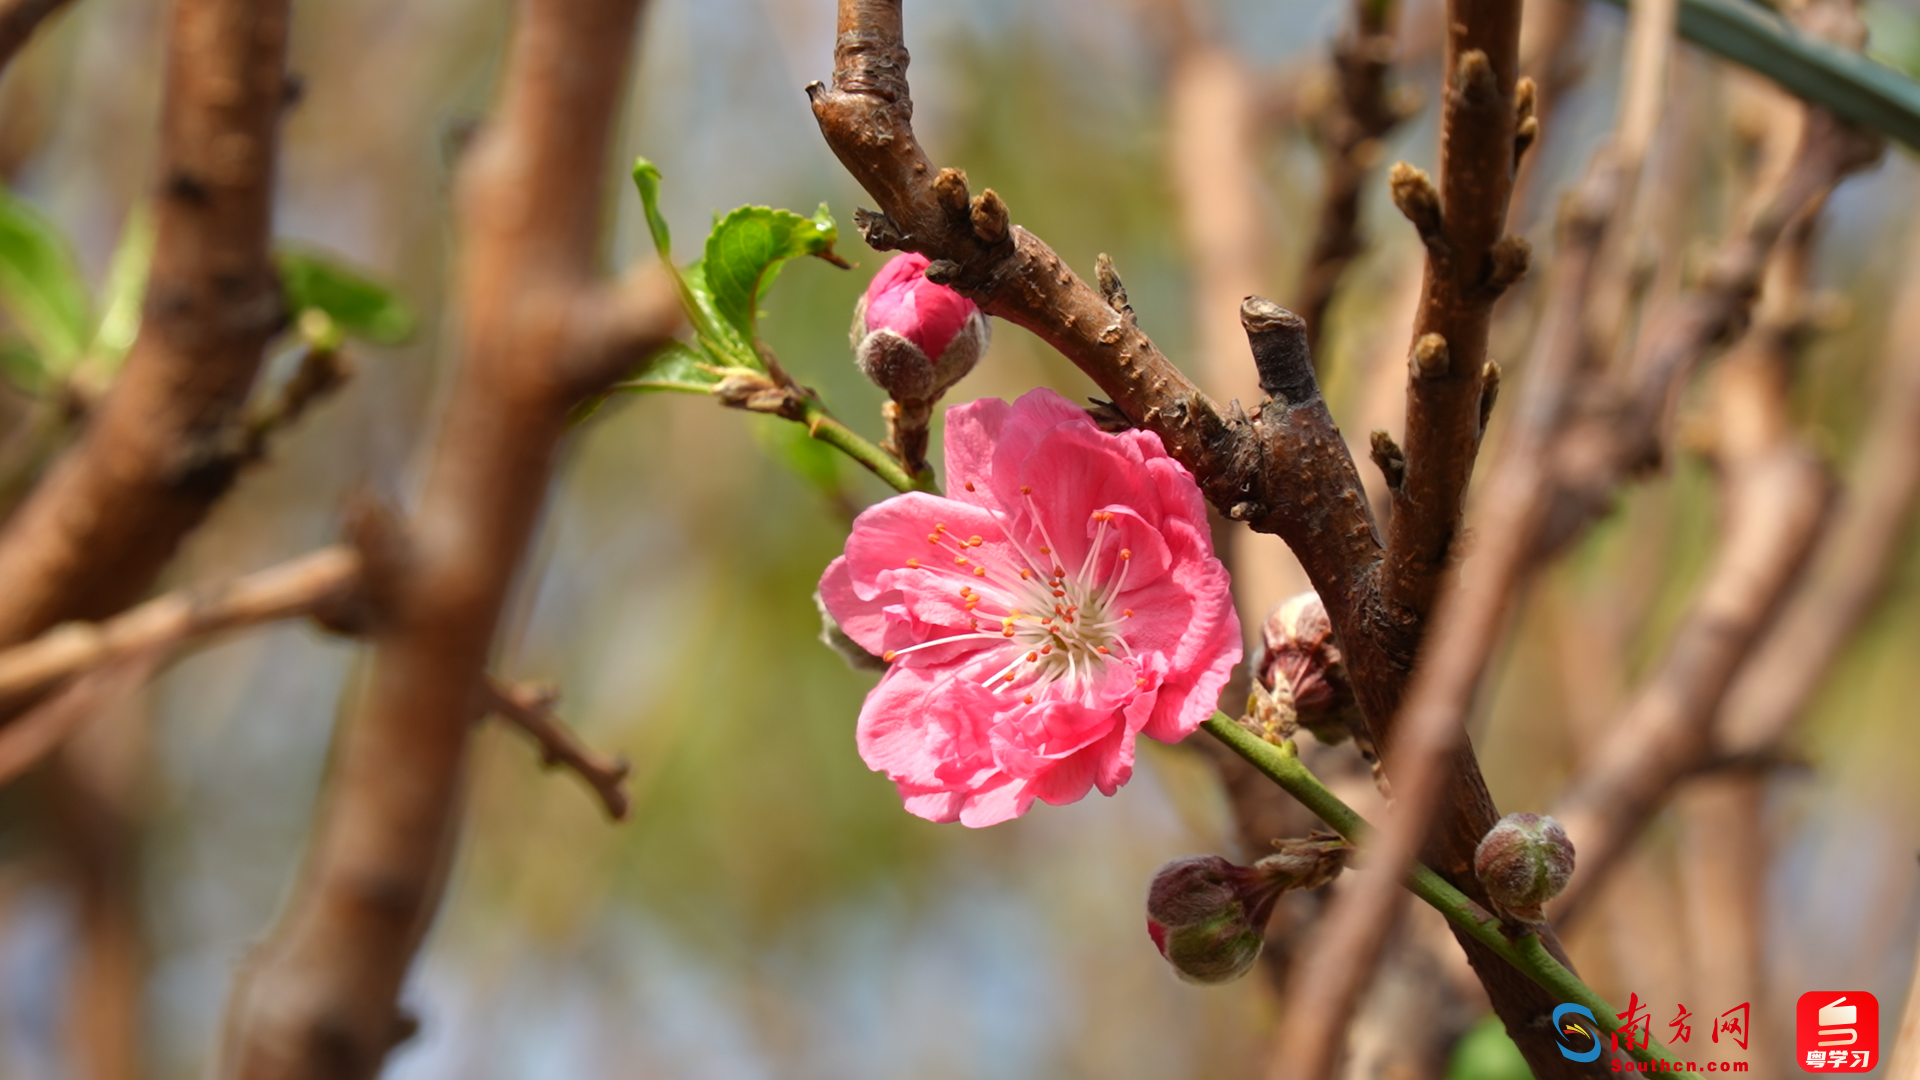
[
  {"x": 1111, "y": 288},
  {"x": 990, "y": 218},
  {"x": 942, "y": 271},
  {"x": 1391, "y": 460},
  {"x": 1280, "y": 352},
  {"x": 1415, "y": 195},
  {"x": 881, "y": 232},
  {"x": 1430, "y": 359},
  {"x": 1508, "y": 261}
]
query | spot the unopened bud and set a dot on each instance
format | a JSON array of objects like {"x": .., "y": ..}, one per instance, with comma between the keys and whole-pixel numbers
[
  {"x": 1301, "y": 669},
  {"x": 915, "y": 338},
  {"x": 1524, "y": 861},
  {"x": 1208, "y": 915}
]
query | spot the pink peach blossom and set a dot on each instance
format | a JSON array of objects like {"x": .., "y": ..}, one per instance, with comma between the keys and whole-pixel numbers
[{"x": 1064, "y": 600}]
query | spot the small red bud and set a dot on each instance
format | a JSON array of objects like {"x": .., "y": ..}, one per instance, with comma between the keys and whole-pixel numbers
[
  {"x": 915, "y": 338},
  {"x": 1208, "y": 915},
  {"x": 1524, "y": 861}
]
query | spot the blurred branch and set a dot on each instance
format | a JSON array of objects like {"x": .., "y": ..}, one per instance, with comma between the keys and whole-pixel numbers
[
  {"x": 1856, "y": 89},
  {"x": 1283, "y": 470},
  {"x": 161, "y": 625},
  {"x": 1355, "y": 118},
  {"x": 1774, "y": 505},
  {"x": 18, "y": 21},
  {"x": 1855, "y": 559},
  {"x": 153, "y": 460},
  {"x": 530, "y": 708},
  {"x": 318, "y": 998}
]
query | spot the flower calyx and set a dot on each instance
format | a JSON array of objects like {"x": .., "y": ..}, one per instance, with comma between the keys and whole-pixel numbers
[{"x": 1524, "y": 861}]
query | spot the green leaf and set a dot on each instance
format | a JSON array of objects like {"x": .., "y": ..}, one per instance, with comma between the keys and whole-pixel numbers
[
  {"x": 677, "y": 367},
  {"x": 361, "y": 306},
  {"x": 647, "y": 178},
  {"x": 126, "y": 287},
  {"x": 42, "y": 288},
  {"x": 1855, "y": 88},
  {"x": 744, "y": 254}
]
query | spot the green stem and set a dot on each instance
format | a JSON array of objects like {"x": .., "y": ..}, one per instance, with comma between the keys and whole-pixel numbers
[
  {"x": 822, "y": 425},
  {"x": 1859, "y": 90},
  {"x": 1281, "y": 763}
]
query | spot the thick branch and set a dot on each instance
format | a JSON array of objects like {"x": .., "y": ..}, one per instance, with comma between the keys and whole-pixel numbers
[
  {"x": 95, "y": 533},
  {"x": 1470, "y": 262},
  {"x": 319, "y": 997}
]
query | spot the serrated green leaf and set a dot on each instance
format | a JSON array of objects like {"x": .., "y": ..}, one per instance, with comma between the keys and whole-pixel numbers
[
  {"x": 361, "y": 306},
  {"x": 677, "y": 367},
  {"x": 744, "y": 254},
  {"x": 42, "y": 288}
]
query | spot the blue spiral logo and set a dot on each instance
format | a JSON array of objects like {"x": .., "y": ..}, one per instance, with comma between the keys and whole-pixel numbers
[{"x": 1578, "y": 1041}]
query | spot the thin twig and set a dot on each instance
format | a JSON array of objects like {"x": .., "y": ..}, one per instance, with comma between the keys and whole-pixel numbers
[
  {"x": 529, "y": 707},
  {"x": 44, "y": 727},
  {"x": 1358, "y": 115},
  {"x": 165, "y": 623}
]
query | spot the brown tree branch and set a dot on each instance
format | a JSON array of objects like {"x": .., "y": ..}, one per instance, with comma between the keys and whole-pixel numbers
[
  {"x": 1470, "y": 262},
  {"x": 19, "y": 19},
  {"x": 163, "y": 624},
  {"x": 318, "y": 999},
  {"x": 1360, "y": 113},
  {"x": 1855, "y": 558},
  {"x": 155, "y": 457},
  {"x": 1774, "y": 506},
  {"x": 529, "y": 707}
]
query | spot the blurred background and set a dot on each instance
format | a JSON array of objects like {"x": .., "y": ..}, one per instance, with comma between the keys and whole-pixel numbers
[{"x": 769, "y": 910}]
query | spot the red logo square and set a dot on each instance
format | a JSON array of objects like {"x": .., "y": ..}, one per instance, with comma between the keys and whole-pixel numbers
[{"x": 1837, "y": 1031}]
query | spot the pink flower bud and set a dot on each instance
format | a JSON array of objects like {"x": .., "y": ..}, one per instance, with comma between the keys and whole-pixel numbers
[
  {"x": 1524, "y": 861},
  {"x": 915, "y": 338},
  {"x": 1301, "y": 667},
  {"x": 1208, "y": 915}
]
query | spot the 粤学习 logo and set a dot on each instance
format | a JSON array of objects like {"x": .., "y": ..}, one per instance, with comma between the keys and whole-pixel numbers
[
  {"x": 1578, "y": 1031},
  {"x": 1837, "y": 1031}
]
